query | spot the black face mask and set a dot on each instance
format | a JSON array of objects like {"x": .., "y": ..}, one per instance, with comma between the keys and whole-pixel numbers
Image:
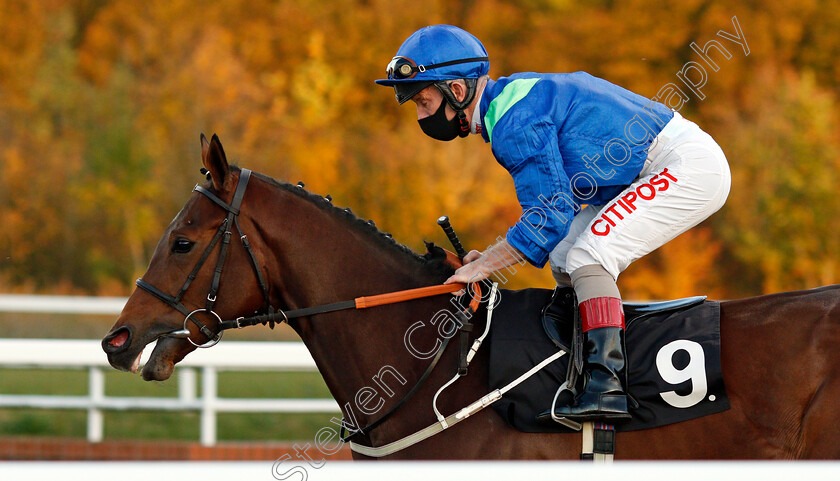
[{"x": 437, "y": 126}]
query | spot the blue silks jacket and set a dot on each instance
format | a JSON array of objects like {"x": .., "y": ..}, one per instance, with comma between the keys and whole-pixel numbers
[{"x": 567, "y": 140}]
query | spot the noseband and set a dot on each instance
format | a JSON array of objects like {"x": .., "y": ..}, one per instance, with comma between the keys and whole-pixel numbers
[{"x": 222, "y": 234}]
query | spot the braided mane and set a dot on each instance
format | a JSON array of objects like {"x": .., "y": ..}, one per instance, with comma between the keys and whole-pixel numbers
[{"x": 433, "y": 260}]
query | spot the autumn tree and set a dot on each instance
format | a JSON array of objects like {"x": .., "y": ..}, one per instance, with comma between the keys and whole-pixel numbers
[{"x": 102, "y": 102}]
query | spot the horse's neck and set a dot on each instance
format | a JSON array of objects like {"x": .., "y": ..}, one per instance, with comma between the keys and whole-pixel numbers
[{"x": 322, "y": 260}]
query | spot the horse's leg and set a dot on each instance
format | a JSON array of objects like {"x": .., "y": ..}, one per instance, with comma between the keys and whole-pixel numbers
[
  {"x": 820, "y": 436},
  {"x": 780, "y": 362}
]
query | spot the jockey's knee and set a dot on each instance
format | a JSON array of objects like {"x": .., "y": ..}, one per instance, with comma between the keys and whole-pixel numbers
[
  {"x": 563, "y": 278},
  {"x": 591, "y": 281}
]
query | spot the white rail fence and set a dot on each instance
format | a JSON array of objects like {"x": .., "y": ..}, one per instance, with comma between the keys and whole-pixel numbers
[
  {"x": 88, "y": 354},
  {"x": 427, "y": 470}
]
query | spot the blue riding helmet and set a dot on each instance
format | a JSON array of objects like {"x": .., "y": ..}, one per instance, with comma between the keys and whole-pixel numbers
[{"x": 435, "y": 54}]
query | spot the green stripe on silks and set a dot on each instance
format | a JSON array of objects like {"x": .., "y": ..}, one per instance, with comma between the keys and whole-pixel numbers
[{"x": 512, "y": 93}]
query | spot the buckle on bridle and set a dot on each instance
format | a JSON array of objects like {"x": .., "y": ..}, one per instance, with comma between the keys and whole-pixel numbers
[{"x": 213, "y": 340}]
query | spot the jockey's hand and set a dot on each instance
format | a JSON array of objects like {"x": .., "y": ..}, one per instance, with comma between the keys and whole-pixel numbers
[
  {"x": 470, "y": 272},
  {"x": 480, "y": 265},
  {"x": 471, "y": 256}
]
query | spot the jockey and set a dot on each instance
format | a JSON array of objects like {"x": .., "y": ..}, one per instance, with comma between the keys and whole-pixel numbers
[{"x": 604, "y": 177}]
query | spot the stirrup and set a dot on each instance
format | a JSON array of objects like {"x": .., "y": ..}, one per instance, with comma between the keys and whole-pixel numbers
[{"x": 573, "y": 425}]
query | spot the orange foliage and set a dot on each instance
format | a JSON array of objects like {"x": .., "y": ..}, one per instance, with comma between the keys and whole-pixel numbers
[
  {"x": 102, "y": 102},
  {"x": 686, "y": 266}
]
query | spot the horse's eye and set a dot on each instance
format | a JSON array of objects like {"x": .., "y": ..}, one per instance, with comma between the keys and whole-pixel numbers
[{"x": 182, "y": 246}]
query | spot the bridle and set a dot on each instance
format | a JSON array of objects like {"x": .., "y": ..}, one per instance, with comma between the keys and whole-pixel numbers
[
  {"x": 223, "y": 234},
  {"x": 273, "y": 315}
]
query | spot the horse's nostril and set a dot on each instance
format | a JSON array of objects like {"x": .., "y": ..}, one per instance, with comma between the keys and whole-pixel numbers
[{"x": 119, "y": 339}]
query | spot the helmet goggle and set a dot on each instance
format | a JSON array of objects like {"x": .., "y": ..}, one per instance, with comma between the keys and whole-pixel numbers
[{"x": 401, "y": 68}]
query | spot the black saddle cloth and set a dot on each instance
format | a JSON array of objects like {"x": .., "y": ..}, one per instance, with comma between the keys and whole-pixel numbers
[{"x": 685, "y": 335}]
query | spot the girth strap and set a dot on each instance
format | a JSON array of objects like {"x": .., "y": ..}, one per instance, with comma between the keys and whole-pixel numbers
[{"x": 598, "y": 442}]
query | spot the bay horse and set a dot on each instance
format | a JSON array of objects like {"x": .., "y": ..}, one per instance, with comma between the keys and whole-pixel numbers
[{"x": 779, "y": 357}]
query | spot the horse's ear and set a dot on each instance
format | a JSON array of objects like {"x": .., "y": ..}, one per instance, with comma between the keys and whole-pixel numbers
[
  {"x": 213, "y": 157},
  {"x": 205, "y": 148}
]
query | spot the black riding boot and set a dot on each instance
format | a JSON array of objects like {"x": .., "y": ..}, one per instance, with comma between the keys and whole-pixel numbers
[{"x": 601, "y": 395}]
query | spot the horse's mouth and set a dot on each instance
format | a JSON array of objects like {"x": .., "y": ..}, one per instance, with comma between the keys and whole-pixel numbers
[
  {"x": 125, "y": 354},
  {"x": 161, "y": 363}
]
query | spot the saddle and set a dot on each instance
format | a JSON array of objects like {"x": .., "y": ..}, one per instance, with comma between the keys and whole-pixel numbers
[
  {"x": 558, "y": 321},
  {"x": 561, "y": 322},
  {"x": 531, "y": 324}
]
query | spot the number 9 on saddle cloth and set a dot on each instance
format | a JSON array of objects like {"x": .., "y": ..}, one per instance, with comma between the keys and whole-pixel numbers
[{"x": 673, "y": 352}]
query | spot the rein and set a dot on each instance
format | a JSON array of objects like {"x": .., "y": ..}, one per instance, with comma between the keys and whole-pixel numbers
[
  {"x": 273, "y": 315},
  {"x": 357, "y": 303}
]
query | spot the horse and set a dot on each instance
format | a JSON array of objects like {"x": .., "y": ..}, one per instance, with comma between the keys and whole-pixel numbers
[{"x": 778, "y": 356}]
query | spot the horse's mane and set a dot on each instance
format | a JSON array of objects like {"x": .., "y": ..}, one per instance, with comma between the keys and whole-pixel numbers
[{"x": 433, "y": 261}]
